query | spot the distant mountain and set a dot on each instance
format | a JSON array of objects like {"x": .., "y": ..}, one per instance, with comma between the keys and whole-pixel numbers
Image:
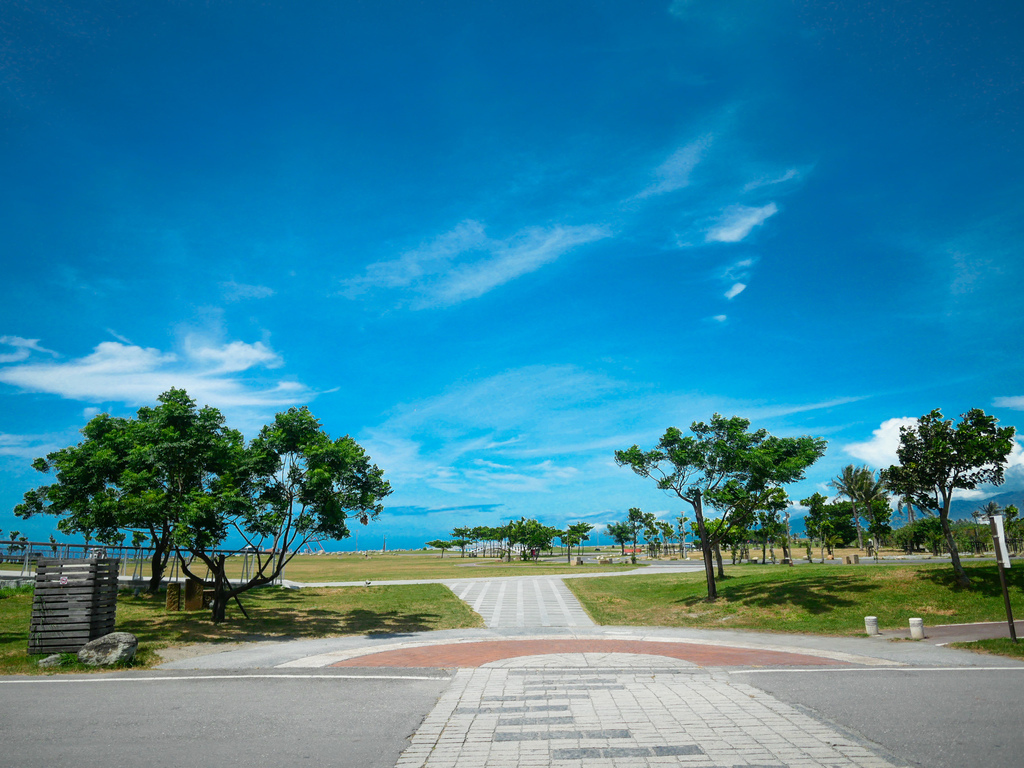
[{"x": 962, "y": 508}]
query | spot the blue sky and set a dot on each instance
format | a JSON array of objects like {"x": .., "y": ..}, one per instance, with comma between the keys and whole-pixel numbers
[{"x": 496, "y": 241}]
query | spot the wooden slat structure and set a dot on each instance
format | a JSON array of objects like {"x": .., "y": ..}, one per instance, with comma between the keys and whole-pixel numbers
[{"x": 75, "y": 602}]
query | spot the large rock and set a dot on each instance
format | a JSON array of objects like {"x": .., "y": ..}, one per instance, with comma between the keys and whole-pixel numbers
[{"x": 109, "y": 649}]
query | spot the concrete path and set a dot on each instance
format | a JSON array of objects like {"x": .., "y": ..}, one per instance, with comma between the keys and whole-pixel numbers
[{"x": 526, "y": 601}]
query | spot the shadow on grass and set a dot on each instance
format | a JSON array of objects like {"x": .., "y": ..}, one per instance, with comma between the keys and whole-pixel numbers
[
  {"x": 280, "y": 615},
  {"x": 984, "y": 580},
  {"x": 816, "y": 595}
]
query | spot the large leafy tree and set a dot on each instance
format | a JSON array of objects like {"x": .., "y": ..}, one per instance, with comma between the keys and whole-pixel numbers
[
  {"x": 146, "y": 474},
  {"x": 293, "y": 484},
  {"x": 178, "y": 474},
  {"x": 936, "y": 458},
  {"x": 693, "y": 466}
]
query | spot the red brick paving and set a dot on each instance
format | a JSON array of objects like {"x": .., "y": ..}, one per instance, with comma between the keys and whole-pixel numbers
[{"x": 477, "y": 654}]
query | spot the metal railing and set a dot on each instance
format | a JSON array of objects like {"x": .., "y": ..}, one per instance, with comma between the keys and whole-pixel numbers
[{"x": 134, "y": 561}]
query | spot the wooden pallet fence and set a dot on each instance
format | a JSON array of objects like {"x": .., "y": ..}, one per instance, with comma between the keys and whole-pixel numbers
[{"x": 75, "y": 602}]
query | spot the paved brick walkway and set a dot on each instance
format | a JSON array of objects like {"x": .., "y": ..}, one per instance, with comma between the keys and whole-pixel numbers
[
  {"x": 528, "y": 601},
  {"x": 655, "y": 653},
  {"x": 573, "y": 717}
]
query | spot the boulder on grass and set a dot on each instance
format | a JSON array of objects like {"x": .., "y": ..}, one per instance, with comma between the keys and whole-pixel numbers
[
  {"x": 109, "y": 649},
  {"x": 53, "y": 660}
]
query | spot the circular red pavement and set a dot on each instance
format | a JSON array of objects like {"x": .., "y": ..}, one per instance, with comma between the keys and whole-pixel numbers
[{"x": 478, "y": 654}]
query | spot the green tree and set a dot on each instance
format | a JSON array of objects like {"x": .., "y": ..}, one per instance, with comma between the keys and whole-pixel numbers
[
  {"x": 140, "y": 474},
  {"x": 849, "y": 483},
  {"x": 936, "y": 458},
  {"x": 462, "y": 537},
  {"x": 574, "y": 536},
  {"x": 441, "y": 544},
  {"x": 826, "y": 522},
  {"x": 620, "y": 533},
  {"x": 637, "y": 522},
  {"x": 292, "y": 485},
  {"x": 690, "y": 467}
]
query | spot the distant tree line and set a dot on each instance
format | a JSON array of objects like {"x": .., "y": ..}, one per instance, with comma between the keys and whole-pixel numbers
[{"x": 528, "y": 537}]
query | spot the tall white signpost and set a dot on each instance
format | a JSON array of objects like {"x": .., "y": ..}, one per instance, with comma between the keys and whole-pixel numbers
[{"x": 1003, "y": 558}]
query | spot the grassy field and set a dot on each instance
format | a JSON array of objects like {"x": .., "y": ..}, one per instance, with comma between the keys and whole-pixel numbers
[
  {"x": 815, "y": 599},
  {"x": 275, "y": 614},
  {"x": 320, "y": 568}
]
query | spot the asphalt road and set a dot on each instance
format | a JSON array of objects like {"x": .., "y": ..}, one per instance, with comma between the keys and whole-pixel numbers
[
  {"x": 948, "y": 718},
  {"x": 199, "y": 719}
]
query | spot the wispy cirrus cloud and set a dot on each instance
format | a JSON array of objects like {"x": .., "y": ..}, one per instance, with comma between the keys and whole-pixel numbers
[
  {"x": 735, "y": 290},
  {"x": 518, "y": 435},
  {"x": 771, "y": 181},
  {"x": 240, "y": 291},
  {"x": 118, "y": 372},
  {"x": 465, "y": 263},
  {"x": 23, "y": 348},
  {"x": 1016, "y": 402},
  {"x": 738, "y": 221},
  {"x": 675, "y": 172}
]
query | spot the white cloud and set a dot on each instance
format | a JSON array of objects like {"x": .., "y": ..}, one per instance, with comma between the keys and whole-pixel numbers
[
  {"x": 880, "y": 450},
  {"x": 675, "y": 172},
  {"x": 136, "y": 375},
  {"x": 238, "y": 291},
  {"x": 23, "y": 348},
  {"x": 465, "y": 263},
  {"x": 28, "y": 446},
  {"x": 767, "y": 181},
  {"x": 234, "y": 357},
  {"x": 720, "y": 318},
  {"x": 737, "y": 222},
  {"x": 735, "y": 291},
  {"x": 1016, "y": 402}
]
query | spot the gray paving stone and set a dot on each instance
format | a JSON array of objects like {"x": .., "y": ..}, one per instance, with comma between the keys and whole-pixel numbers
[{"x": 697, "y": 720}]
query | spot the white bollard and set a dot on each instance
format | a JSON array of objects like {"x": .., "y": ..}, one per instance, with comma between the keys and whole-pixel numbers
[
  {"x": 871, "y": 625},
  {"x": 917, "y": 629}
]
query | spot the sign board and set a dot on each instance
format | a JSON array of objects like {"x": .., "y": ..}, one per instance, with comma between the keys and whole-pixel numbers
[{"x": 999, "y": 540}]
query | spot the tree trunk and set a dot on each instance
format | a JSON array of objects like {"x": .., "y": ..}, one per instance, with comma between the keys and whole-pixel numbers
[
  {"x": 718, "y": 559},
  {"x": 220, "y": 591},
  {"x": 705, "y": 545},
  {"x": 856, "y": 521},
  {"x": 954, "y": 554},
  {"x": 161, "y": 553}
]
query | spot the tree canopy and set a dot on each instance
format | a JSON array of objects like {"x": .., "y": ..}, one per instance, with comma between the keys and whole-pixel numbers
[
  {"x": 179, "y": 474},
  {"x": 936, "y": 458},
  {"x": 694, "y": 466}
]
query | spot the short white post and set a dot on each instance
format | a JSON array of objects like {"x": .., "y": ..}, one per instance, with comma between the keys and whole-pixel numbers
[
  {"x": 871, "y": 625},
  {"x": 917, "y": 629}
]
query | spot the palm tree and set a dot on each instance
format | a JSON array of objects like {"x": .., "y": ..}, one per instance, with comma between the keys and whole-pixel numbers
[
  {"x": 848, "y": 483},
  {"x": 991, "y": 508},
  {"x": 869, "y": 491}
]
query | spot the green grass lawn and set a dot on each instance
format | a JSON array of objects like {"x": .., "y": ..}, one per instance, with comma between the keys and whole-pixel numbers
[
  {"x": 275, "y": 614},
  {"x": 830, "y": 600},
  {"x": 1002, "y": 646}
]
